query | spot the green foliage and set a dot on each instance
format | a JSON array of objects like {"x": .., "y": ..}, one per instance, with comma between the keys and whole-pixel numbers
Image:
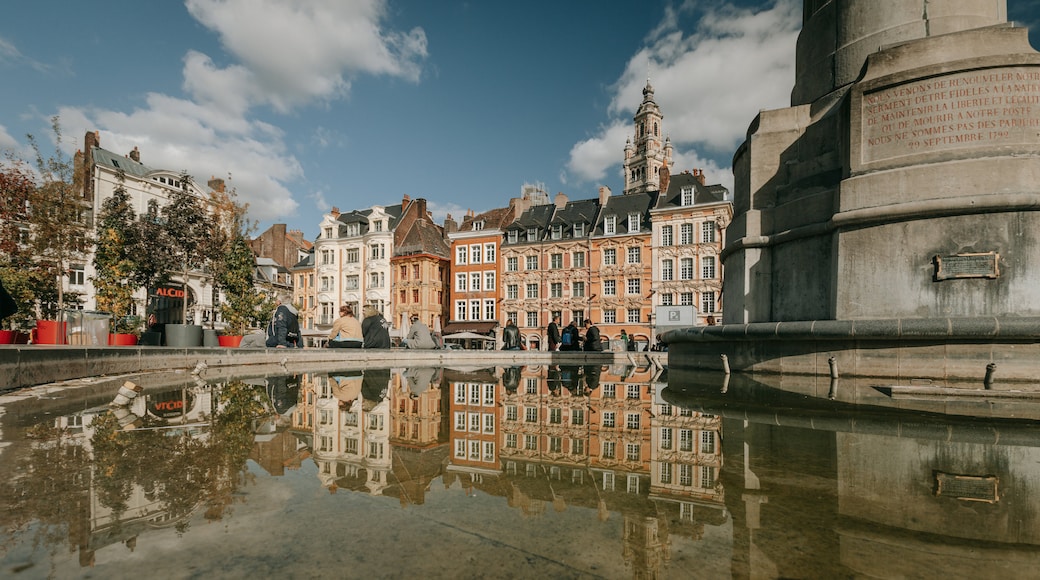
[
  {"x": 115, "y": 259},
  {"x": 243, "y": 303},
  {"x": 58, "y": 218},
  {"x": 186, "y": 232}
]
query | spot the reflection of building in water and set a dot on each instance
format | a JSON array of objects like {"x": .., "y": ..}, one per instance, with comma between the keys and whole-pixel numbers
[
  {"x": 474, "y": 415},
  {"x": 417, "y": 420},
  {"x": 351, "y": 429}
]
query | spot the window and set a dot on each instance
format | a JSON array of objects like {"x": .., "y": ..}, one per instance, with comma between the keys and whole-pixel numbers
[
  {"x": 328, "y": 232},
  {"x": 632, "y": 452},
  {"x": 686, "y": 298},
  {"x": 353, "y": 256},
  {"x": 460, "y": 421},
  {"x": 579, "y": 230},
  {"x": 460, "y": 310},
  {"x": 557, "y": 231},
  {"x": 687, "y": 195},
  {"x": 633, "y": 223},
  {"x": 609, "y": 390},
  {"x": 489, "y": 254},
  {"x": 708, "y": 267},
  {"x": 667, "y": 270},
  {"x": 667, "y": 299},
  {"x": 532, "y": 234},
  {"x": 666, "y": 236},
  {"x": 489, "y": 395},
  {"x": 666, "y": 438},
  {"x": 478, "y": 225},
  {"x": 577, "y": 416},
  {"x": 460, "y": 282},
  {"x": 461, "y": 254},
  {"x": 511, "y": 440},
  {"x": 556, "y": 261},
  {"x": 489, "y": 309},
  {"x": 415, "y": 271},
  {"x": 609, "y": 449},
  {"x": 556, "y": 290},
  {"x": 632, "y": 421},
  {"x": 555, "y": 444},
  {"x": 610, "y": 257},
  {"x": 489, "y": 281},
  {"x": 707, "y": 302},
  {"x": 474, "y": 282},
  {"x": 686, "y": 234},
  {"x": 378, "y": 225},
  {"x": 686, "y": 269},
  {"x": 685, "y": 440},
  {"x": 353, "y": 229},
  {"x": 665, "y": 411},
  {"x": 512, "y": 236},
  {"x": 633, "y": 286},
  {"x": 531, "y": 442},
  {"x": 577, "y": 447},
  {"x": 578, "y": 289},
  {"x": 609, "y": 316},
  {"x": 512, "y": 291},
  {"x": 530, "y": 414},
  {"x": 326, "y": 284},
  {"x": 77, "y": 275},
  {"x": 610, "y": 287},
  {"x": 532, "y": 263},
  {"x": 666, "y": 473},
  {"x": 511, "y": 264},
  {"x": 610, "y": 225},
  {"x": 632, "y": 392},
  {"x": 376, "y": 279},
  {"x": 532, "y": 291},
  {"x": 474, "y": 254},
  {"x": 707, "y": 442},
  {"x": 633, "y": 255},
  {"x": 632, "y": 315},
  {"x": 328, "y": 257},
  {"x": 511, "y": 413},
  {"x": 609, "y": 418},
  {"x": 474, "y": 422},
  {"x": 489, "y": 450},
  {"x": 707, "y": 477},
  {"x": 474, "y": 309},
  {"x": 578, "y": 260},
  {"x": 532, "y": 319},
  {"x": 556, "y": 416},
  {"x": 378, "y": 252},
  {"x": 685, "y": 474},
  {"x": 708, "y": 232}
]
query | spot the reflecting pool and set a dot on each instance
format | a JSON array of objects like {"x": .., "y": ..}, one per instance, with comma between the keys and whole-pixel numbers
[{"x": 507, "y": 472}]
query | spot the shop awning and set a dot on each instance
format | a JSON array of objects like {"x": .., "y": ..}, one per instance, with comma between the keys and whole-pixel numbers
[{"x": 476, "y": 327}]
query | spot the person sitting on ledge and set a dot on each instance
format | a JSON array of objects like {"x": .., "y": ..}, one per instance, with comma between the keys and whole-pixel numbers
[
  {"x": 346, "y": 330},
  {"x": 419, "y": 336}
]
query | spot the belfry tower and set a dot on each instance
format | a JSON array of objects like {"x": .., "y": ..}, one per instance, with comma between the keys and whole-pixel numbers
[{"x": 647, "y": 152}]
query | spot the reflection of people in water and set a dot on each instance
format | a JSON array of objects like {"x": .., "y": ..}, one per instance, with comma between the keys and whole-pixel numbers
[
  {"x": 570, "y": 378},
  {"x": 553, "y": 380},
  {"x": 284, "y": 391},
  {"x": 591, "y": 377},
  {"x": 511, "y": 379},
  {"x": 346, "y": 387},
  {"x": 418, "y": 379},
  {"x": 374, "y": 385}
]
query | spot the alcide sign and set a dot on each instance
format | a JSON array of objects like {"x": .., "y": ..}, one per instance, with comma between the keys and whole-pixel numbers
[
  {"x": 170, "y": 404},
  {"x": 168, "y": 292}
]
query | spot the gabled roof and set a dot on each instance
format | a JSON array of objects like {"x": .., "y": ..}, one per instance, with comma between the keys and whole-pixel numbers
[
  {"x": 494, "y": 219},
  {"x": 423, "y": 238},
  {"x": 702, "y": 194},
  {"x": 623, "y": 205},
  {"x": 305, "y": 264},
  {"x": 120, "y": 162},
  {"x": 535, "y": 217},
  {"x": 582, "y": 211}
]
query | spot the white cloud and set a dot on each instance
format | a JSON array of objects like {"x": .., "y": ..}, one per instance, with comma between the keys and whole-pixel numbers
[
  {"x": 6, "y": 141},
  {"x": 288, "y": 55},
  {"x": 709, "y": 82}
]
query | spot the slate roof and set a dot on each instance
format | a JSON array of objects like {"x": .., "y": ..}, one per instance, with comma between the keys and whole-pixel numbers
[
  {"x": 536, "y": 217},
  {"x": 306, "y": 263},
  {"x": 702, "y": 194},
  {"x": 582, "y": 211},
  {"x": 622, "y": 205},
  {"x": 117, "y": 162}
]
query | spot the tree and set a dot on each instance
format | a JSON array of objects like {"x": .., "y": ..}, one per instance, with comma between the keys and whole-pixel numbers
[
  {"x": 186, "y": 233},
  {"x": 21, "y": 278},
  {"x": 243, "y": 302},
  {"x": 115, "y": 253},
  {"x": 57, "y": 219}
]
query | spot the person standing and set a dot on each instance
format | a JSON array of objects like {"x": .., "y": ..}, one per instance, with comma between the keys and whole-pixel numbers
[
  {"x": 592, "y": 338},
  {"x": 554, "y": 333},
  {"x": 419, "y": 336},
  {"x": 284, "y": 329},
  {"x": 624, "y": 339},
  {"x": 346, "y": 330},
  {"x": 511, "y": 336},
  {"x": 373, "y": 329},
  {"x": 569, "y": 337}
]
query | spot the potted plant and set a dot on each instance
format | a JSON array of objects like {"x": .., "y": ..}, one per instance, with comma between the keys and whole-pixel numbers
[
  {"x": 57, "y": 222},
  {"x": 242, "y": 301},
  {"x": 186, "y": 241},
  {"x": 115, "y": 247}
]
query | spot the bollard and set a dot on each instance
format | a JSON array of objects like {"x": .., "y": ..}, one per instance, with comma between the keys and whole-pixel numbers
[
  {"x": 833, "y": 362},
  {"x": 725, "y": 364}
]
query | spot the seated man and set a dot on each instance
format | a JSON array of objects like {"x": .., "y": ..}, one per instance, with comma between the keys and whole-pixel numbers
[{"x": 419, "y": 336}]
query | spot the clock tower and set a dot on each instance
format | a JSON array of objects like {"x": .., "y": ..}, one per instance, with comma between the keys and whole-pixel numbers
[{"x": 647, "y": 152}]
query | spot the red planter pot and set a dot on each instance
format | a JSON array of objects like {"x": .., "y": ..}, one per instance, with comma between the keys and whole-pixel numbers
[
  {"x": 122, "y": 340},
  {"x": 49, "y": 332},
  {"x": 8, "y": 336},
  {"x": 230, "y": 341}
]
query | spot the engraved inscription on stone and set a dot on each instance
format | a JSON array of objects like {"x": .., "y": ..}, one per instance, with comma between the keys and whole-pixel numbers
[
  {"x": 982, "y": 108},
  {"x": 979, "y": 265},
  {"x": 967, "y": 487}
]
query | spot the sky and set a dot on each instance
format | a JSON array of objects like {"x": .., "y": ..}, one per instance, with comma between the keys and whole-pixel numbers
[{"x": 307, "y": 105}]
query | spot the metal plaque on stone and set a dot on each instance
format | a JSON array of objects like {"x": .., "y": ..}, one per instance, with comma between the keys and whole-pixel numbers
[{"x": 973, "y": 265}]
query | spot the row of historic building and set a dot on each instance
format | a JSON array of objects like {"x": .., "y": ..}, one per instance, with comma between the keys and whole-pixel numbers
[{"x": 640, "y": 261}]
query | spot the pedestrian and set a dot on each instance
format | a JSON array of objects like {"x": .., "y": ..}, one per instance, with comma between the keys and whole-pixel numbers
[
  {"x": 419, "y": 336},
  {"x": 569, "y": 337},
  {"x": 592, "y": 338},
  {"x": 373, "y": 329},
  {"x": 346, "y": 330},
  {"x": 511, "y": 336},
  {"x": 284, "y": 329},
  {"x": 554, "y": 333},
  {"x": 624, "y": 340},
  {"x": 631, "y": 344}
]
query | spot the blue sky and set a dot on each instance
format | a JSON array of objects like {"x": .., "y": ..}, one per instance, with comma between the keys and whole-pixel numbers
[{"x": 350, "y": 103}]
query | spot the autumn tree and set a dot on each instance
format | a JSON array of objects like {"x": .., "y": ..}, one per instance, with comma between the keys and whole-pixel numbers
[
  {"x": 115, "y": 258},
  {"x": 186, "y": 233},
  {"x": 18, "y": 271}
]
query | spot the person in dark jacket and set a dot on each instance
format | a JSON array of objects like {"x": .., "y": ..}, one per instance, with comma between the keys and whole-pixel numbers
[
  {"x": 569, "y": 338},
  {"x": 511, "y": 336},
  {"x": 592, "y": 339},
  {"x": 284, "y": 328},
  {"x": 555, "y": 338},
  {"x": 373, "y": 329}
]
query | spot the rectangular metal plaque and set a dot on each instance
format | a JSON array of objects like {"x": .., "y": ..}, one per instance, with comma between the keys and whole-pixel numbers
[
  {"x": 967, "y": 487},
  {"x": 958, "y": 266}
]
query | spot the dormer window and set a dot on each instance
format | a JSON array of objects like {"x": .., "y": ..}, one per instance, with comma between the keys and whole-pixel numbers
[
  {"x": 328, "y": 233},
  {"x": 532, "y": 234},
  {"x": 579, "y": 230},
  {"x": 610, "y": 225},
  {"x": 478, "y": 225},
  {"x": 353, "y": 229},
  {"x": 687, "y": 195},
  {"x": 378, "y": 225},
  {"x": 513, "y": 236},
  {"x": 557, "y": 231},
  {"x": 633, "y": 223}
]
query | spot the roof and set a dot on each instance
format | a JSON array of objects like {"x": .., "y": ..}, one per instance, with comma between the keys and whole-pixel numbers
[
  {"x": 623, "y": 205},
  {"x": 702, "y": 194},
  {"x": 493, "y": 219},
  {"x": 121, "y": 162},
  {"x": 306, "y": 263}
]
